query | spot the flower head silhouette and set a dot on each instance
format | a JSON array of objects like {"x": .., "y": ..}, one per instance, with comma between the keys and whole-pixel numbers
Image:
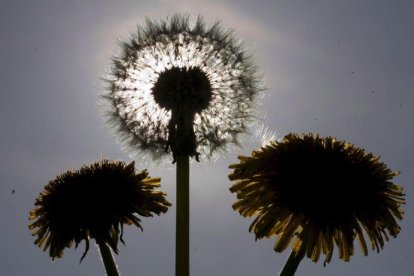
[
  {"x": 181, "y": 86},
  {"x": 94, "y": 202},
  {"x": 318, "y": 192}
]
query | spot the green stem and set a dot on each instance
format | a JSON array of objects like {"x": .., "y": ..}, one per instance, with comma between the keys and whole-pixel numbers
[
  {"x": 108, "y": 259},
  {"x": 292, "y": 264},
  {"x": 182, "y": 256}
]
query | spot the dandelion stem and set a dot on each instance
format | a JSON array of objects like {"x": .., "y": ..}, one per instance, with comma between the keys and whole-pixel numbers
[
  {"x": 292, "y": 264},
  {"x": 108, "y": 259},
  {"x": 182, "y": 264}
]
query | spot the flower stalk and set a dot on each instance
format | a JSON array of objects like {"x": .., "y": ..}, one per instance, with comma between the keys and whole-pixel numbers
[
  {"x": 108, "y": 259},
  {"x": 291, "y": 264},
  {"x": 182, "y": 261}
]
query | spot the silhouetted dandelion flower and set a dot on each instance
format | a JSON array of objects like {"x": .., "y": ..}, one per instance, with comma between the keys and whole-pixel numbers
[
  {"x": 181, "y": 86},
  {"x": 94, "y": 202},
  {"x": 317, "y": 192}
]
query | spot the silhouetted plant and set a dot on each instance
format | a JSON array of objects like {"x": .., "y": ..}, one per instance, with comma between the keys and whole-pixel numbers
[
  {"x": 94, "y": 202},
  {"x": 186, "y": 87},
  {"x": 317, "y": 192}
]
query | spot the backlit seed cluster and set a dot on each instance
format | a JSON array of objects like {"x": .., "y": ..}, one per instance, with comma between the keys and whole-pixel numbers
[{"x": 179, "y": 72}]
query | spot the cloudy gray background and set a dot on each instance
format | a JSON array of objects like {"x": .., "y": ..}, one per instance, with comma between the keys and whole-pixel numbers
[{"x": 340, "y": 68}]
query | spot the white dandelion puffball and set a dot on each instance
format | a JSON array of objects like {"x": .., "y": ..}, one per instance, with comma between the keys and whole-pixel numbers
[{"x": 181, "y": 86}]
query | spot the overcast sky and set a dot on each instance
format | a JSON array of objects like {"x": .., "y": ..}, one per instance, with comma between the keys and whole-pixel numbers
[{"x": 339, "y": 68}]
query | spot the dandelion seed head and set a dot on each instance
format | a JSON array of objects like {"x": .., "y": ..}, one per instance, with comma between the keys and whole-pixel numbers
[{"x": 174, "y": 70}]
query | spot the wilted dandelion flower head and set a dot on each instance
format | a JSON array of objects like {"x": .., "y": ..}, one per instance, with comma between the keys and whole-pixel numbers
[
  {"x": 182, "y": 86},
  {"x": 317, "y": 192},
  {"x": 94, "y": 202}
]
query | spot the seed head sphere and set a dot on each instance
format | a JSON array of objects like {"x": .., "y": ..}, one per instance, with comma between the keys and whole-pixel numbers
[{"x": 181, "y": 86}]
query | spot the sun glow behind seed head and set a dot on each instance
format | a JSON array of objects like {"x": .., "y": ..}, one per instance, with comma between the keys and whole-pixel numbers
[{"x": 231, "y": 75}]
